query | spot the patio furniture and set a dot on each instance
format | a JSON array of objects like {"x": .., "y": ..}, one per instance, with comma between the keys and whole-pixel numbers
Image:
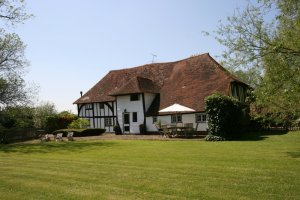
[
  {"x": 58, "y": 137},
  {"x": 164, "y": 131},
  {"x": 45, "y": 138},
  {"x": 70, "y": 136}
]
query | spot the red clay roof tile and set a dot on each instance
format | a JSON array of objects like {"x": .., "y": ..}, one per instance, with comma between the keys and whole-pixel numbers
[{"x": 186, "y": 82}]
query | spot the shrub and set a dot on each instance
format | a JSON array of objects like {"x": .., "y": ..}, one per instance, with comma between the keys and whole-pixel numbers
[
  {"x": 81, "y": 132},
  {"x": 59, "y": 121},
  {"x": 79, "y": 123},
  {"x": 210, "y": 137},
  {"x": 227, "y": 116},
  {"x": 117, "y": 130}
]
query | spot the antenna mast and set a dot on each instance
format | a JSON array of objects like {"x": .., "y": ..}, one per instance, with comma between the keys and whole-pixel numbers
[{"x": 153, "y": 57}]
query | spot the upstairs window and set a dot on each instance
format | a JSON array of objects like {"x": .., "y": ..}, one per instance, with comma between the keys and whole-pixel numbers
[
  {"x": 101, "y": 105},
  {"x": 134, "y": 97},
  {"x": 88, "y": 106}
]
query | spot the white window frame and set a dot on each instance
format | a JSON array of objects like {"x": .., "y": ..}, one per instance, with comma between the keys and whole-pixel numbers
[
  {"x": 202, "y": 116},
  {"x": 179, "y": 118},
  {"x": 107, "y": 121}
]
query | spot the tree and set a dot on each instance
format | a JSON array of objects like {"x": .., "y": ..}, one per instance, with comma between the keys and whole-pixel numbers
[
  {"x": 20, "y": 116},
  {"x": 13, "y": 89},
  {"x": 263, "y": 41},
  {"x": 41, "y": 113}
]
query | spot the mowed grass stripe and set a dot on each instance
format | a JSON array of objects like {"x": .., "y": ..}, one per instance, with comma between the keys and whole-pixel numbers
[{"x": 266, "y": 169}]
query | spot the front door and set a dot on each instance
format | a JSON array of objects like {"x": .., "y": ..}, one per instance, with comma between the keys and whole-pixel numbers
[{"x": 126, "y": 120}]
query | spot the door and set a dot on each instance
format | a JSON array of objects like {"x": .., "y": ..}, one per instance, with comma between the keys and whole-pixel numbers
[{"x": 126, "y": 120}]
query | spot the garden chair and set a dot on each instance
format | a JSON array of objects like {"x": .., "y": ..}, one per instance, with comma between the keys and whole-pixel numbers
[
  {"x": 45, "y": 138},
  {"x": 70, "y": 136},
  {"x": 58, "y": 137}
]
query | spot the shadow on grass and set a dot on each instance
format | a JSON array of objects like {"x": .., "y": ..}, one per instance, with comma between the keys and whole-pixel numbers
[
  {"x": 295, "y": 154},
  {"x": 53, "y": 147},
  {"x": 256, "y": 136}
]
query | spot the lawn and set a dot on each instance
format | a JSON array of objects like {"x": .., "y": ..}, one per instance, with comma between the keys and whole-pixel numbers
[{"x": 261, "y": 167}]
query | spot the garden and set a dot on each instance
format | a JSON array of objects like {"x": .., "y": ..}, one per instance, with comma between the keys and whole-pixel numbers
[{"x": 259, "y": 166}]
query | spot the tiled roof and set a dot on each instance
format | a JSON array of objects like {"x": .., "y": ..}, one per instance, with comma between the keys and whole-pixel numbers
[
  {"x": 136, "y": 85},
  {"x": 186, "y": 82}
]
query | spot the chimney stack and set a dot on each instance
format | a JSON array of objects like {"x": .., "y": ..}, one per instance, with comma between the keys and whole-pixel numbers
[{"x": 81, "y": 93}]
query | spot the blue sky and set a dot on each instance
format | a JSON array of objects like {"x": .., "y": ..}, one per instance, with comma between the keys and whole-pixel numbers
[{"x": 72, "y": 44}]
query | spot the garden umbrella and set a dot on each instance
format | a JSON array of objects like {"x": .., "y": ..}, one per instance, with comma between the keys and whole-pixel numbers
[{"x": 176, "y": 108}]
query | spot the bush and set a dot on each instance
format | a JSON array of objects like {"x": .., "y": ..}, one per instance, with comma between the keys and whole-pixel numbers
[
  {"x": 59, "y": 121},
  {"x": 117, "y": 130},
  {"x": 227, "y": 116},
  {"x": 81, "y": 132},
  {"x": 79, "y": 123},
  {"x": 210, "y": 137}
]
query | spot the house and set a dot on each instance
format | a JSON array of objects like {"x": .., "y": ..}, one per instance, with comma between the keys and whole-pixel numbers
[{"x": 133, "y": 96}]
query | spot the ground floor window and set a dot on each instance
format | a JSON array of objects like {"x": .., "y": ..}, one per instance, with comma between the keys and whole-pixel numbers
[
  {"x": 201, "y": 118},
  {"x": 176, "y": 118},
  {"x": 154, "y": 119},
  {"x": 107, "y": 121},
  {"x": 134, "y": 117}
]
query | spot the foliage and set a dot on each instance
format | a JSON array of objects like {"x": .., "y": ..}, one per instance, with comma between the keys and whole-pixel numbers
[
  {"x": 117, "y": 130},
  {"x": 226, "y": 116},
  {"x": 13, "y": 90},
  {"x": 59, "y": 121},
  {"x": 18, "y": 116},
  {"x": 79, "y": 123},
  {"x": 263, "y": 44},
  {"x": 41, "y": 114},
  {"x": 81, "y": 132},
  {"x": 214, "y": 138}
]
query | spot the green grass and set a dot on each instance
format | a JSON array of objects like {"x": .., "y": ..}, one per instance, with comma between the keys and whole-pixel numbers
[{"x": 263, "y": 167}]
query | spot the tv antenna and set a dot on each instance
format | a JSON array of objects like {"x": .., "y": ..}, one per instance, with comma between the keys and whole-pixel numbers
[{"x": 153, "y": 57}]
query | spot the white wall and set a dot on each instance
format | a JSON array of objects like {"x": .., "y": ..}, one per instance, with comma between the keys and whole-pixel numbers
[
  {"x": 148, "y": 100},
  {"x": 123, "y": 102},
  {"x": 166, "y": 119},
  {"x": 96, "y": 116}
]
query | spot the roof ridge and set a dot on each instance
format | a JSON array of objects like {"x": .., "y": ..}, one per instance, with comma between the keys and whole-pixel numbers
[{"x": 159, "y": 63}]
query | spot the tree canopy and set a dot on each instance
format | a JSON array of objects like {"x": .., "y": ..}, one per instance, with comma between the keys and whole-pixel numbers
[
  {"x": 13, "y": 89},
  {"x": 263, "y": 48}
]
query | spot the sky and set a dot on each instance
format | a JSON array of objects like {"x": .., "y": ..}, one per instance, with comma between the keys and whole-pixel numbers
[{"x": 72, "y": 44}]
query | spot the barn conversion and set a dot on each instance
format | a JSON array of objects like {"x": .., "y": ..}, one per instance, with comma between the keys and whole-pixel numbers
[{"x": 133, "y": 96}]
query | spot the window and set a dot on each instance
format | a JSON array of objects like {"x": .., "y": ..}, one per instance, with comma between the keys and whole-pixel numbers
[
  {"x": 101, "y": 105},
  {"x": 174, "y": 120},
  {"x": 134, "y": 97},
  {"x": 107, "y": 121},
  {"x": 134, "y": 117},
  {"x": 88, "y": 106},
  {"x": 200, "y": 118},
  {"x": 154, "y": 119}
]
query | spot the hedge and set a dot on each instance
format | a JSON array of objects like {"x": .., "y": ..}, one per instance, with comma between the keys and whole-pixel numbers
[
  {"x": 81, "y": 132},
  {"x": 227, "y": 117}
]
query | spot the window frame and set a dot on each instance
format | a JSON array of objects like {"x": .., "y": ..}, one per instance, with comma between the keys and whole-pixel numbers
[
  {"x": 178, "y": 120},
  {"x": 88, "y": 106},
  {"x": 154, "y": 119},
  {"x": 134, "y": 97},
  {"x": 203, "y": 117},
  {"x": 107, "y": 121},
  {"x": 134, "y": 117}
]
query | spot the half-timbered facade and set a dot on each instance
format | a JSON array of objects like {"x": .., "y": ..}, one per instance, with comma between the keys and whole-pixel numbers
[{"x": 133, "y": 96}]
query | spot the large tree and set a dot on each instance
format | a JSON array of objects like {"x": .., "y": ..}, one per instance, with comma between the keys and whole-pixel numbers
[
  {"x": 263, "y": 41},
  {"x": 13, "y": 89}
]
